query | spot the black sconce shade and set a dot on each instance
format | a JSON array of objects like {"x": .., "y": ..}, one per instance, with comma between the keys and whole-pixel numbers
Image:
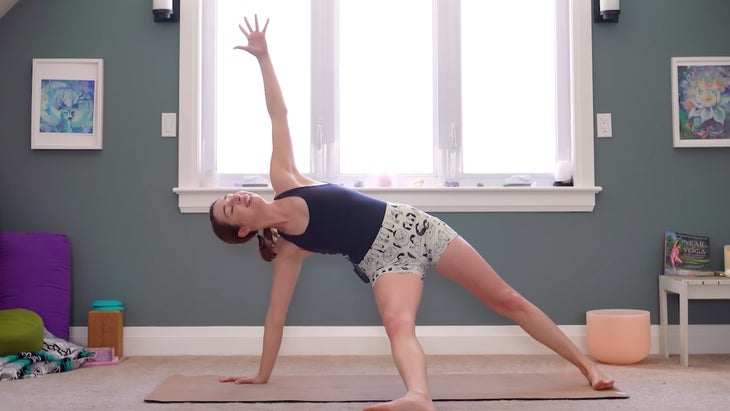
[{"x": 167, "y": 15}]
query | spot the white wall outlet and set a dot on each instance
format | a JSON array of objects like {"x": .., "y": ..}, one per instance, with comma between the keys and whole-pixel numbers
[
  {"x": 603, "y": 125},
  {"x": 169, "y": 124}
]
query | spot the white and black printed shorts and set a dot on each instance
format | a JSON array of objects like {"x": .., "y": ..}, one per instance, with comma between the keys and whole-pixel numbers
[{"x": 409, "y": 241}]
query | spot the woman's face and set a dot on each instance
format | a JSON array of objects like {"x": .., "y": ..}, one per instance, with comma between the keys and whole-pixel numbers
[{"x": 238, "y": 209}]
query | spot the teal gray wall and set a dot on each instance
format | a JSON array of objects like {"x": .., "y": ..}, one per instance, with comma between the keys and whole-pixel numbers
[{"x": 130, "y": 241}]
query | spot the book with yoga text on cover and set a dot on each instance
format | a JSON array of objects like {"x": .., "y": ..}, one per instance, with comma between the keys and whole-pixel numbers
[{"x": 686, "y": 254}]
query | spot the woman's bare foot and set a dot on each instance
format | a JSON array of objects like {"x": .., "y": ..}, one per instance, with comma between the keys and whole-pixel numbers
[
  {"x": 596, "y": 378},
  {"x": 410, "y": 402}
]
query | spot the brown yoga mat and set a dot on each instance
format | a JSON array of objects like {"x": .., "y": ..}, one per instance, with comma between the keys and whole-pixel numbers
[{"x": 368, "y": 388}]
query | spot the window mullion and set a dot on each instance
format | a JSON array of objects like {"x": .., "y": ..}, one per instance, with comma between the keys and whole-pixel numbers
[
  {"x": 447, "y": 141},
  {"x": 324, "y": 155}
]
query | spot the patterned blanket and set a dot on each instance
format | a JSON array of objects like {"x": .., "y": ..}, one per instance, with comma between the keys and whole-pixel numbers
[{"x": 56, "y": 356}]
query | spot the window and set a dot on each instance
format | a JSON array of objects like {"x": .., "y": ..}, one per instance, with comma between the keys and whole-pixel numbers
[{"x": 437, "y": 115}]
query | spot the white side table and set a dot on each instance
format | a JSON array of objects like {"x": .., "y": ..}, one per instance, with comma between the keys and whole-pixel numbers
[{"x": 688, "y": 288}]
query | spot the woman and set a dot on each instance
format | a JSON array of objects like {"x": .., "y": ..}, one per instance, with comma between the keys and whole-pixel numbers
[{"x": 390, "y": 245}]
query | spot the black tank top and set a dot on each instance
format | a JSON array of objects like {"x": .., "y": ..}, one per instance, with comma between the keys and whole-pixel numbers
[{"x": 341, "y": 220}]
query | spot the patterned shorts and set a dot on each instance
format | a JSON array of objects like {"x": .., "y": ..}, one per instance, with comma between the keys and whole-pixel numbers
[{"x": 409, "y": 241}]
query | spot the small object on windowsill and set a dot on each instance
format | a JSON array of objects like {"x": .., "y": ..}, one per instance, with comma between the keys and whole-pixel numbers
[
  {"x": 359, "y": 183},
  {"x": 250, "y": 185},
  {"x": 480, "y": 184},
  {"x": 451, "y": 183},
  {"x": 518, "y": 181},
  {"x": 563, "y": 174},
  {"x": 253, "y": 181},
  {"x": 418, "y": 183},
  {"x": 385, "y": 180}
]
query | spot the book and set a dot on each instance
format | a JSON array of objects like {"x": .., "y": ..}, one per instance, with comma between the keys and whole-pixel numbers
[{"x": 686, "y": 254}]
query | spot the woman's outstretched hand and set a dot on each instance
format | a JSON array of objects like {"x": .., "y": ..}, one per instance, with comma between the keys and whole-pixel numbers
[
  {"x": 256, "y": 38},
  {"x": 255, "y": 379}
]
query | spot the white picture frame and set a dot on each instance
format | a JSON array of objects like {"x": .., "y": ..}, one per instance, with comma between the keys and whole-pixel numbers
[
  {"x": 701, "y": 101},
  {"x": 67, "y": 104}
]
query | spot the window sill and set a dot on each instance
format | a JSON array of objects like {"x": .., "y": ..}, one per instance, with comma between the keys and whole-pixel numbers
[{"x": 434, "y": 199}]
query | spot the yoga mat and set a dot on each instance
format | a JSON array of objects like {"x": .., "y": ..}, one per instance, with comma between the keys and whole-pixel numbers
[{"x": 369, "y": 388}]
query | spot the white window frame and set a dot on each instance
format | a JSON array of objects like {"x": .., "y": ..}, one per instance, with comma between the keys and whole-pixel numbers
[{"x": 194, "y": 196}]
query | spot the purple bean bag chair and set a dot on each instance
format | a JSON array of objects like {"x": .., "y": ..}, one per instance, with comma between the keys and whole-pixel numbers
[{"x": 35, "y": 274}]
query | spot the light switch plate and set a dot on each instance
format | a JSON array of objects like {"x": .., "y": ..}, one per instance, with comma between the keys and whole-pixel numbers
[{"x": 169, "y": 124}]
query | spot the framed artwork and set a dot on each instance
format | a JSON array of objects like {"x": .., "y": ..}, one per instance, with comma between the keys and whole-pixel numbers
[
  {"x": 701, "y": 101},
  {"x": 67, "y": 104}
]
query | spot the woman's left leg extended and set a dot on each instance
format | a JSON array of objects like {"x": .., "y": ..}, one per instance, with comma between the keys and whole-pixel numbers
[
  {"x": 398, "y": 297},
  {"x": 462, "y": 264}
]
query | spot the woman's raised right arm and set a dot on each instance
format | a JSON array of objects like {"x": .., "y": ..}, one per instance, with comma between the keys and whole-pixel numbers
[{"x": 283, "y": 171}]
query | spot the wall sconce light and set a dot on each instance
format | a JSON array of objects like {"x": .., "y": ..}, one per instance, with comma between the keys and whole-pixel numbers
[
  {"x": 606, "y": 11},
  {"x": 166, "y": 11}
]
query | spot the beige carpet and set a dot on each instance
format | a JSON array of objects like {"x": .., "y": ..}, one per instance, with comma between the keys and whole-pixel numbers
[
  {"x": 654, "y": 384},
  {"x": 365, "y": 388}
]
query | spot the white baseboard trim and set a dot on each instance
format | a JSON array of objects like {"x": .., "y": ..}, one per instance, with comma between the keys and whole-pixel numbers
[{"x": 436, "y": 340}]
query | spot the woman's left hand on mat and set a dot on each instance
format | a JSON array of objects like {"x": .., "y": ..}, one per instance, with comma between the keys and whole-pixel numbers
[{"x": 255, "y": 379}]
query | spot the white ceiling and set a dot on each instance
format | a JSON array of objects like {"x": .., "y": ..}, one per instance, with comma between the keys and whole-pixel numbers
[{"x": 6, "y": 5}]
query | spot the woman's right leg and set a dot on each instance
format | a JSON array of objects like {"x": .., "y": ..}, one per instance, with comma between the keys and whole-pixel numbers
[
  {"x": 398, "y": 297},
  {"x": 462, "y": 264}
]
